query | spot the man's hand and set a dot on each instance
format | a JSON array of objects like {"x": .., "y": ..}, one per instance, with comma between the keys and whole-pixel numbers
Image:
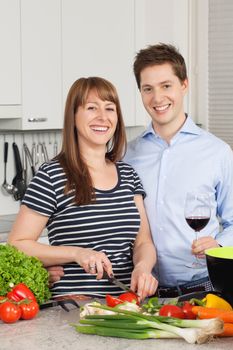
[
  {"x": 201, "y": 244},
  {"x": 55, "y": 274}
]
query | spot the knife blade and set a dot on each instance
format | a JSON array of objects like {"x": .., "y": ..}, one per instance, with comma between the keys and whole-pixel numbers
[{"x": 114, "y": 280}]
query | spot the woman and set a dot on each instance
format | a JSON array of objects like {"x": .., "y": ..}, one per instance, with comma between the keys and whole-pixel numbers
[{"x": 90, "y": 202}]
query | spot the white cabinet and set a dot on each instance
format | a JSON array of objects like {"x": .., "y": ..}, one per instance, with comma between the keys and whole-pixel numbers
[
  {"x": 56, "y": 42},
  {"x": 41, "y": 86},
  {"x": 10, "y": 96},
  {"x": 41, "y": 64},
  {"x": 99, "y": 40}
]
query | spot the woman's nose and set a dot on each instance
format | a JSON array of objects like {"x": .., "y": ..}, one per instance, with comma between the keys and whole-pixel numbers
[{"x": 102, "y": 114}]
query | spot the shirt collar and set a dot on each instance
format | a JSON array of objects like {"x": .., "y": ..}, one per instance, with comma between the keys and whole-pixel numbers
[{"x": 189, "y": 127}]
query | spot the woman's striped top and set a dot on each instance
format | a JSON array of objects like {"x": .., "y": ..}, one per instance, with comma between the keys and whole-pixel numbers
[{"x": 109, "y": 225}]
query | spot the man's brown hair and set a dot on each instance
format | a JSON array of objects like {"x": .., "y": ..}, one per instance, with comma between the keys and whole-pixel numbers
[{"x": 157, "y": 55}]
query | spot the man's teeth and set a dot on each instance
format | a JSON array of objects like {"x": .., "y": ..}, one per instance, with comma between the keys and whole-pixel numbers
[
  {"x": 161, "y": 108},
  {"x": 100, "y": 128}
]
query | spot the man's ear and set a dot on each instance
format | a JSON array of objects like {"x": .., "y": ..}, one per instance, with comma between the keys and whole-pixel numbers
[{"x": 185, "y": 85}]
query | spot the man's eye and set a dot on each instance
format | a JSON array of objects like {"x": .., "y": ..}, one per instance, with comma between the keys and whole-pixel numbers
[
  {"x": 167, "y": 86},
  {"x": 147, "y": 89}
]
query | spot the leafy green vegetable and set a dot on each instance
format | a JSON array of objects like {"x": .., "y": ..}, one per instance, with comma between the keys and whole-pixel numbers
[{"x": 16, "y": 267}]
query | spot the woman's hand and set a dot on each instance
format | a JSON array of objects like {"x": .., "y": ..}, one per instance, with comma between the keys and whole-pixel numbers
[
  {"x": 143, "y": 283},
  {"x": 201, "y": 244},
  {"x": 94, "y": 262}
]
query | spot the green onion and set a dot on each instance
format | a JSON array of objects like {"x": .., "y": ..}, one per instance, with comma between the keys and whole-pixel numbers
[
  {"x": 122, "y": 333},
  {"x": 130, "y": 324}
]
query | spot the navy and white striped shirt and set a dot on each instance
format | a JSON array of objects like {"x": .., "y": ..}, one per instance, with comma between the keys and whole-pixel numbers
[{"x": 109, "y": 225}]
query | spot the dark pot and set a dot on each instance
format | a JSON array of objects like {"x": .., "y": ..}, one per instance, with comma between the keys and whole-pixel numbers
[{"x": 220, "y": 268}]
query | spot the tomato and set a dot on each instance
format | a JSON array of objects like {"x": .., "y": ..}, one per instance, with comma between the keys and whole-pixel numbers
[
  {"x": 29, "y": 309},
  {"x": 171, "y": 311},
  {"x": 129, "y": 297},
  {"x": 112, "y": 301},
  {"x": 187, "y": 309},
  {"x": 9, "y": 312},
  {"x": 2, "y": 299}
]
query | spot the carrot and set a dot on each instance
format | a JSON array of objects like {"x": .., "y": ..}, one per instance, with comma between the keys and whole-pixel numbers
[
  {"x": 203, "y": 312},
  {"x": 228, "y": 330}
]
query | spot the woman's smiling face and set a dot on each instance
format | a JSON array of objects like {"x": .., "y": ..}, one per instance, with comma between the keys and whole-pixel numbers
[{"x": 96, "y": 120}]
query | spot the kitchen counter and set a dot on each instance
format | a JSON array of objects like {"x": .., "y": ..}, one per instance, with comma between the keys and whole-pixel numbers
[{"x": 51, "y": 330}]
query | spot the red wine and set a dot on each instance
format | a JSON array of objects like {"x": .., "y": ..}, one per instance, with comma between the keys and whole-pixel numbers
[{"x": 197, "y": 223}]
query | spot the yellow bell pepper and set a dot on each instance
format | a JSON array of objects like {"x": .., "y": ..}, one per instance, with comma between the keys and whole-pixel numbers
[{"x": 212, "y": 300}]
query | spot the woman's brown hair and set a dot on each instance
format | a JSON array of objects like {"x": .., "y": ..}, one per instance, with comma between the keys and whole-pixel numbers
[{"x": 70, "y": 158}]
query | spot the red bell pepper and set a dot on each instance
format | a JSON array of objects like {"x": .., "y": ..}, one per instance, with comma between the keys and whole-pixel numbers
[
  {"x": 171, "y": 311},
  {"x": 129, "y": 297},
  {"x": 20, "y": 292},
  {"x": 187, "y": 309},
  {"x": 112, "y": 301}
]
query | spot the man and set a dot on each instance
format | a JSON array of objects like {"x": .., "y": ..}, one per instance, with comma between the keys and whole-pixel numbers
[{"x": 172, "y": 157}]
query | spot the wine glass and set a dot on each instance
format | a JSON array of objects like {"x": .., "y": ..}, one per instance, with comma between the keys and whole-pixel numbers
[{"x": 197, "y": 215}]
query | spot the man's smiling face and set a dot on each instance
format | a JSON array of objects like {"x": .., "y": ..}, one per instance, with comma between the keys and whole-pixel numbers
[{"x": 162, "y": 95}]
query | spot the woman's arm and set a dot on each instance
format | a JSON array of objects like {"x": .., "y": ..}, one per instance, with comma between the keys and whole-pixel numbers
[
  {"x": 144, "y": 256},
  {"x": 27, "y": 229}
]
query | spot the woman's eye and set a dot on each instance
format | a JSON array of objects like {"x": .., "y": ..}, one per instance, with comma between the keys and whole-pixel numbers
[
  {"x": 90, "y": 108},
  {"x": 111, "y": 109}
]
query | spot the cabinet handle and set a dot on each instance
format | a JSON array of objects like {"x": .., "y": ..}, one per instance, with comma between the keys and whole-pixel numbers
[{"x": 37, "y": 120}]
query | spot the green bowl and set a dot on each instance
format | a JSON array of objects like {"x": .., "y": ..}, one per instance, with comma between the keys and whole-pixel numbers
[{"x": 220, "y": 268}]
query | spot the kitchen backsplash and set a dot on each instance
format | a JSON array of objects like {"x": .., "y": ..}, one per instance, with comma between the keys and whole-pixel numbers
[{"x": 41, "y": 144}]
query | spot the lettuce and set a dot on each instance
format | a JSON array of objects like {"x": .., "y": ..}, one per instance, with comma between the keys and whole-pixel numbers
[{"x": 16, "y": 267}]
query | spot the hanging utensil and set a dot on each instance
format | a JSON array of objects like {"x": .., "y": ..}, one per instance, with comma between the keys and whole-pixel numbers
[
  {"x": 7, "y": 188},
  {"x": 18, "y": 181},
  {"x": 45, "y": 152},
  {"x": 29, "y": 158}
]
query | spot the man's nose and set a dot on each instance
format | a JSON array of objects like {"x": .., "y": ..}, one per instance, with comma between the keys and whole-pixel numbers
[{"x": 157, "y": 96}]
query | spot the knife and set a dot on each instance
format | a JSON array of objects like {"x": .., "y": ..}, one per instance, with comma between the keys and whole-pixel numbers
[{"x": 117, "y": 283}]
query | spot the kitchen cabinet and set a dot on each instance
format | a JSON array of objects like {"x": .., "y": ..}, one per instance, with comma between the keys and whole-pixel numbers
[
  {"x": 40, "y": 60},
  {"x": 41, "y": 64},
  {"x": 61, "y": 41},
  {"x": 99, "y": 40},
  {"x": 10, "y": 96}
]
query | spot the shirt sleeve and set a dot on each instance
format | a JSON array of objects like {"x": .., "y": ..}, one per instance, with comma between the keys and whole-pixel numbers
[
  {"x": 138, "y": 188},
  {"x": 224, "y": 197},
  {"x": 40, "y": 195}
]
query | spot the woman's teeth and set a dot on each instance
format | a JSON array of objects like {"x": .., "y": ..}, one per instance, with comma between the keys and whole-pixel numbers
[{"x": 100, "y": 128}]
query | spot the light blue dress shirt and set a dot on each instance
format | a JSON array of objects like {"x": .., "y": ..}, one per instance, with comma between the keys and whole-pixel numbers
[{"x": 194, "y": 160}]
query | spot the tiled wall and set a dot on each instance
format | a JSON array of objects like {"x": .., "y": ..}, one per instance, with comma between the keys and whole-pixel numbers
[{"x": 7, "y": 203}]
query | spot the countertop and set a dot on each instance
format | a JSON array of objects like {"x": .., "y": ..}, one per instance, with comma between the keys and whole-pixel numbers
[{"x": 51, "y": 330}]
